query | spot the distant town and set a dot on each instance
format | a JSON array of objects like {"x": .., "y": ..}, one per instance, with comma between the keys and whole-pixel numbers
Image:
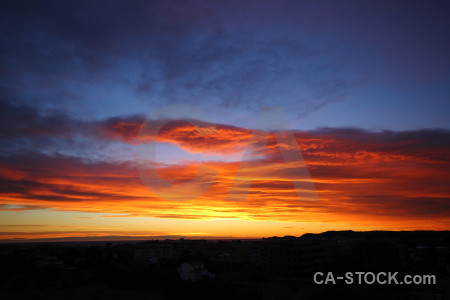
[{"x": 269, "y": 268}]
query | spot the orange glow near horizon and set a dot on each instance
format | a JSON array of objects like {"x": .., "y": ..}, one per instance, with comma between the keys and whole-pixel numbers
[{"x": 360, "y": 182}]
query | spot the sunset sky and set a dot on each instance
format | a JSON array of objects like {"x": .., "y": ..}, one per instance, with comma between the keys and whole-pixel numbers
[{"x": 221, "y": 119}]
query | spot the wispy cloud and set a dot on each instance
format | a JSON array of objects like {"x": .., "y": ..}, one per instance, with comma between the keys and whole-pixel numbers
[{"x": 359, "y": 175}]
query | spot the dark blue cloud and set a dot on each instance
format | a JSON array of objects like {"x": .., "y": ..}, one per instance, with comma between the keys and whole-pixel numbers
[{"x": 98, "y": 59}]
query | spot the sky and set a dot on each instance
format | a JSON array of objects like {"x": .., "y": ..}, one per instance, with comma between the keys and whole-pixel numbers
[{"x": 222, "y": 119}]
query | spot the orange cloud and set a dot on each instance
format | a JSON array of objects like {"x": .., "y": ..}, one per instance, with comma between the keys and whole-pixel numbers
[{"x": 362, "y": 178}]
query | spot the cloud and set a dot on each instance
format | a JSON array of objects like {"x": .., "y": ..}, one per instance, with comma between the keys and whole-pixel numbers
[
  {"x": 387, "y": 177},
  {"x": 12, "y": 207},
  {"x": 82, "y": 235},
  {"x": 77, "y": 80},
  {"x": 18, "y": 120},
  {"x": 85, "y": 60}
]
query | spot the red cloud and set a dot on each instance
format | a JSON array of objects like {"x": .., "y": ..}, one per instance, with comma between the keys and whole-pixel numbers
[{"x": 361, "y": 177}]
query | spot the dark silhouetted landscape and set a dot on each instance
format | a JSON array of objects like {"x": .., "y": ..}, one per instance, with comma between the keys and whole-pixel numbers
[{"x": 268, "y": 268}]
